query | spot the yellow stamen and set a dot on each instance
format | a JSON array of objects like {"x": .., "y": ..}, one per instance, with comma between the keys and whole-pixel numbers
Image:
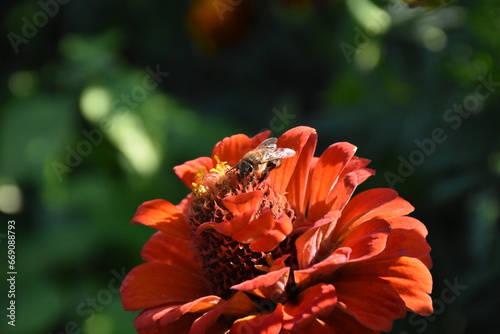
[
  {"x": 198, "y": 187},
  {"x": 221, "y": 168}
]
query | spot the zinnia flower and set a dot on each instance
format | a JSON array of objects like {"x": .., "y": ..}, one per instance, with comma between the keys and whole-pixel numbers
[{"x": 290, "y": 253}]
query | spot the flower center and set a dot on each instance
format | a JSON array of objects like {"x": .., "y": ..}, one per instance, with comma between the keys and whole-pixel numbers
[{"x": 225, "y": 261}]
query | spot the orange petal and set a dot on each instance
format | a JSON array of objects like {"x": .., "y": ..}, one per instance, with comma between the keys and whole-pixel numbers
[
  {"x": 345, "y": 324},
  {"x": 323, "y": 269},
  {"x": 239, "y": 304},
  {"x": 325, "y": 175},
  {"x": 265, "y": 240},
  {"x": 372, "y": 204},
  {"x": 318, "y": 300},
  {"x": 243, "y": 207},
  {"x": 426, "y": 260},
  {"x": 315, "y": 244},
  {"x": 148, "y": 320},
  {"x": 188, "y": 170},
  {"x": 206, "y": 320},
  {"x": 407, "y": 238},
  {"x": 199, "y": 306},
  {"x": 319, "y": 326},
  {"x": 357, "y": 163},
  {"x": 412, "y": 279},
  {"x": 293, "y": 173},
  {"x": 370, "y": 300},
  {"x": 244, "y": 202},
  {"x": 279, "y": 263},
  {"x": 409, "y": 277},
  {"x": 232, "y": 149},
  {"x": 270, "y": 285},
  {"x": 367, "y": 240},
  {"x": 163, "y": 216},
  {"x": 408, "y": 224},
  {"x": 263, "y": 324},
  {"x": 344, "y": 188},
  {"x": 230, "y": 227},
  {"x": 153, "y": 283},
  {"x": 161, "y": 317},
  {"x": 165, "y": 248}
]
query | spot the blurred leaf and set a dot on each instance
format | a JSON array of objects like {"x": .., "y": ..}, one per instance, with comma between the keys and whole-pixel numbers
[{"x": 33, "y": 130}]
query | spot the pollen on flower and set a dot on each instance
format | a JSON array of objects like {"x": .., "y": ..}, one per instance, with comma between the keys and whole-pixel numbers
[
  {"x": 221, "y": 168},
  {"x": 209, "y": 181},
  {"x": 198, "y": 188}
]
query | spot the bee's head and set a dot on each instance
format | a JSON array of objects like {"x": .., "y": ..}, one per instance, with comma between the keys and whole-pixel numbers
[{"x": 245, "y": 168}]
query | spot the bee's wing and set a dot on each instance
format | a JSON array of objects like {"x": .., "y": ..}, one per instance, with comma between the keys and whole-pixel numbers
[
  {"x": 268, "y": 143},
  {"x": 279, "y": 153}
]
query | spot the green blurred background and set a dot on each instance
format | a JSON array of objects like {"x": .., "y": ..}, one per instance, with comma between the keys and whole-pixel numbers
[{"x": 102, "y": 98}]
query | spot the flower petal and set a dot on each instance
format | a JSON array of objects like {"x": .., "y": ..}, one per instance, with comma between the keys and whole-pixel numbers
[
  {"x": 318, "y": 300},
  {"x": 163, "y": 216},
  {"x": 197, "y": 306},
  {"x": 243, "y": 208},
  {"x": 367, "y": 240},
  {"x": 188, "y": 170},
  {"x": 148, "y": 320},
  {"x": 356, "y": 163},
  {"x": 239, "y": 304},
  {"x": 294, "y": 171},
  {"x": 267, "y": 232},
  {"x": 244, "y": 202},
  {"x": 370, "y": 300},
  {"x": 261, "y": 323},
  {"x": 411, "y": 278},
  {"x": 324, "y": 269},
  {"x": 153, "y": 283},
  {"x": 408, "y": 277},
  {"x": 232, "y": 149},
  {"x": 371, "y": 204},
  {"x": 407, "y": 238},
  {"x": 180, "y": 318},
  {"x": 165, "y": 248},
  {"x": 319, "y": 326},
  {"x": 325, "y": 175},
  {"x": 311, "y": 245},
  {"x": 345, "y": 324},
  {"x": 344, "y": 188},
  {"x": 270, "y": 285}
]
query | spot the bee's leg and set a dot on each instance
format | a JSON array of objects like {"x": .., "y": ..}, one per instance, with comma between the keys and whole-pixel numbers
[
  {"x": 269, "y": 167},
  {"x": 264, "y": 175}
]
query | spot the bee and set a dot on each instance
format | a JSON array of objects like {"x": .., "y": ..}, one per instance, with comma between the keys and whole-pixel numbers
[{"x": 261, "y": 160}]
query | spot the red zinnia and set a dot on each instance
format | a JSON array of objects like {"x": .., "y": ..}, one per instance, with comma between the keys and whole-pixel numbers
[{"x": 290, "y": 253}]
